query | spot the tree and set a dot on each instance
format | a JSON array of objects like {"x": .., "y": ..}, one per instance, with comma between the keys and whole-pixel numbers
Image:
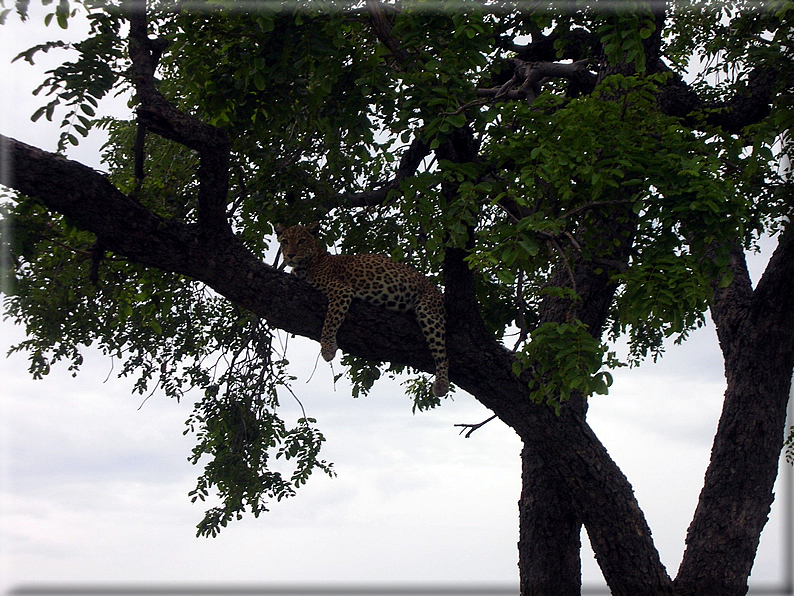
[{"x": 561, "y": 171}]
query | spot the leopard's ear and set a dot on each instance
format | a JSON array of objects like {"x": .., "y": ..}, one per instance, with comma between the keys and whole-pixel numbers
[
  {"x": 279, "y": 228},
  {"x": 313, "y": 227}
]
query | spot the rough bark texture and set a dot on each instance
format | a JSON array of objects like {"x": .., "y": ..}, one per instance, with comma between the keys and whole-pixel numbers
[
  {"x": 549, "y": 541},
  {"x": 550, "y": 525},
  {"x": 755, "y": 332}
]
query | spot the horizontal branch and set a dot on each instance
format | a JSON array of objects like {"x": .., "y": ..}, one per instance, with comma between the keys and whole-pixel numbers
[
  {"x": 409, "y": 163},
  {"x": 529, "y": 76},
  {"x": 749, "y": 105},
  {"x": 480, "y": 366},
  {"x": 127, "y": 228}
]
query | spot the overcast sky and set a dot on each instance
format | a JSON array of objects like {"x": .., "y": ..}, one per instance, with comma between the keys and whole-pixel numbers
[{"x": 94, "y": 487}]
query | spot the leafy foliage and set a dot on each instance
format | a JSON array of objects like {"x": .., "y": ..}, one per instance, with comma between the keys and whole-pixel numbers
[
  {"x": 79, "y": 85},
  {"x": 563, "y": 358},
  {"x": 172, "y": 334}
]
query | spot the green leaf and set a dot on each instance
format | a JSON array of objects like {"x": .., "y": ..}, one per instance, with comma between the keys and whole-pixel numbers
[{"x": 726, "y": 279}]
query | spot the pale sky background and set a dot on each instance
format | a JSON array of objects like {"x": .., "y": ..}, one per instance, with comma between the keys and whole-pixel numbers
[{"x": 94, "y": 489}]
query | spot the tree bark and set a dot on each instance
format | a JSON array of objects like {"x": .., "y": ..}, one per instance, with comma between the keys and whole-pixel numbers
[
  {"x": 625, "y": 553},
  {"x": 549, "y": 542},
  {"x": 756, "y": 333}
]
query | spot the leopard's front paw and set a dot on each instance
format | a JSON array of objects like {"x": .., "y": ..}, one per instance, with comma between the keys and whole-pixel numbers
[{"x": 328, "y": 350}]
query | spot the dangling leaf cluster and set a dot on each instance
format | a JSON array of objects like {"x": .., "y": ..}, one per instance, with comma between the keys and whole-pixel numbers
[
  {"x": 171, "y": 335},
  {"x": 77, "y": 86},
  {"x": 238, "y": 428},
  {"x": 562, "y": 358}
]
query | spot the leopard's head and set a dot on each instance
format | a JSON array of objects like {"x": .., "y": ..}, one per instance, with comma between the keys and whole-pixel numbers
[{"x": 298, "y": 243}]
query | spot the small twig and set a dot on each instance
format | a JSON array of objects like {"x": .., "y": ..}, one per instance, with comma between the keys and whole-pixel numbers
[
  {"x": 314, "y": 370},
  {"x": 77, "y": 251},
  {"x": 277, "y": 264},
  {"x": 553, "y": 241},
  {"x": 522, "y": 321},
  {"x": 509, "y": 213},
  {"x": 239, "y": 197},
  {"x": 295, "y": 397},
  {"x": 466, "y": 106},
  {"x": 148, "y": 396},
  {"x": 573, "y": 240},
  {"x": 110, "y": 372},
  {"x": 473, "y": 427}
]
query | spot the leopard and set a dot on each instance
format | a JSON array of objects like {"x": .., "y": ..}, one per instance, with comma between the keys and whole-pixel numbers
[{"x": 376, "y": 279}]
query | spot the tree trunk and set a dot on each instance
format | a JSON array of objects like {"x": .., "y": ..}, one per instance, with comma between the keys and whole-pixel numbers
[
  {"x": 549, "y": 541},
  {"x": 625, "y": 552},
  {"x": 550, "y": 526}
]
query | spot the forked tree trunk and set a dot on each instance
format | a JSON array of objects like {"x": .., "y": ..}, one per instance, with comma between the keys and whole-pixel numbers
[{"x": 550, "y": 522}]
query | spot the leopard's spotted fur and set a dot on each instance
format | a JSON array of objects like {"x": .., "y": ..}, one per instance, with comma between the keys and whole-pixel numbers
[{"x": 373, "y": 278}]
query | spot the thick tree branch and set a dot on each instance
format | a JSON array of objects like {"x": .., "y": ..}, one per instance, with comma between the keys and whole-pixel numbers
[
  {"x": 652, "y": 45},
  {"x": 731, "y": 304},
  {"x": 750, "y": 103},
  {"x": 478, "y": 365},
  {"x": 382, "y": 27},
  {"x": 460, "y": 296},
  {"x": 530, "y": 76},
  {"x": 535, "y": 64},
  {"x": 772, "y": 296},
  {"x": 756, "y": 332}
]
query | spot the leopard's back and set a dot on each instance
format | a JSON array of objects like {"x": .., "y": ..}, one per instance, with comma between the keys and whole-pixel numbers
[{"x": 374, "y": 278}]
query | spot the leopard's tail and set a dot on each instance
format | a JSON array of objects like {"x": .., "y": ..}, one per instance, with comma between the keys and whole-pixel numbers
[
  {"x": 441, "y": 384},
  {"x": 432, "y": 319}
]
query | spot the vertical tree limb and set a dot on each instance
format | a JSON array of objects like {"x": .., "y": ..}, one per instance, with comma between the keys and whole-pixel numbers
[
  {"x": 158, "y": 115},
  {"x": 756, "y": 333}
]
